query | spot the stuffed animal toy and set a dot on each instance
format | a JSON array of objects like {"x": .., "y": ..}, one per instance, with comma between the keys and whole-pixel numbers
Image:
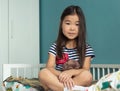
[{"x": 71, "y": 64}]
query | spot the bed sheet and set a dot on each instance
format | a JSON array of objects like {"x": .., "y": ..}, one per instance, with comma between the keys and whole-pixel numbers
[
  {"x": 15, "y": 86},
  {"x": 109, "y": 82},
  {"x": 21, "y": 84}
]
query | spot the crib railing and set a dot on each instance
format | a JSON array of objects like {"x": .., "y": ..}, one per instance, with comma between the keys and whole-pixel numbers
[
  {"x": 23, "y": 70},
  {"x": 29, "y": 70},
  {"x": 99, "y": 70}
]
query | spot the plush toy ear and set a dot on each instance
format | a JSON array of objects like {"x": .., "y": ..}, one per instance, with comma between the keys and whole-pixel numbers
[
  {"x": 77, "y": 65},
  {"x": 65, "y": 66}
]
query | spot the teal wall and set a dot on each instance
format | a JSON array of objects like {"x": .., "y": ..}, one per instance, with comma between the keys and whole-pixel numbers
[{"x": 103, "y": 26}]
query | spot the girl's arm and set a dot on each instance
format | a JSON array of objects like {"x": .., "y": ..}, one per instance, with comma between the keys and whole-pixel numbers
[
  {"x": 65, "y": 76},
  {"x": 51, "y": 65},
  {"x": 86, "y": 66},
  {"x": 87, "y": 63}
]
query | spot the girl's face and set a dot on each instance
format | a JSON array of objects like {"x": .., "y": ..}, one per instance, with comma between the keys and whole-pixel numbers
[{"x": 70, "y": 26}]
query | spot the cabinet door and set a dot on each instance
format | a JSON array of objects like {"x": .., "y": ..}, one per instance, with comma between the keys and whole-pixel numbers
[
  {"x": 3, "y": 36},
  {"x": 23, "y": 31}
]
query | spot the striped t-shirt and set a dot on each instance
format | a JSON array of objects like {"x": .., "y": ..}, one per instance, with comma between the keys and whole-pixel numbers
[{"x": 72, "y": 54}]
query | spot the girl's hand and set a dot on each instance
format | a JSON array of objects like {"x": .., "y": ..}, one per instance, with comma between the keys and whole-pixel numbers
[
  {"x": 64, "y": 76},
  {"x": 69, "y": 83}
]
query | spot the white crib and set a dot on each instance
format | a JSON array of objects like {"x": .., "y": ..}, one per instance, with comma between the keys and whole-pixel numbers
[{"x": 31, "y": 71}]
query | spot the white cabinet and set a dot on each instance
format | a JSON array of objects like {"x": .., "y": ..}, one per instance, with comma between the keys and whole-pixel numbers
[
  {"x": 19, "y": 32},
  {"x": 3, "y": 35},
  {"x": 23, "y": 31}
]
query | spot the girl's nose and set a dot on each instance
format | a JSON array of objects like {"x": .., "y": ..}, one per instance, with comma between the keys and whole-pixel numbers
[{"x": 72, "y": 27}]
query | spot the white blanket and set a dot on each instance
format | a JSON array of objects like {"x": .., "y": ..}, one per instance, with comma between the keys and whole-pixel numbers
[{"x": 109, "y": 82}]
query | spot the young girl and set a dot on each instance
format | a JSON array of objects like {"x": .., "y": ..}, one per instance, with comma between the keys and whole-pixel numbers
[{"x": 70, "y": 46}]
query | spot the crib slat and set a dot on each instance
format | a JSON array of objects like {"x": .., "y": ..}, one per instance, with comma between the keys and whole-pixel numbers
[
  {"x": 108, "y": 70},
  {"x": 94, "y": 73},
  {"x": 113, "y": 70},
  {"x": 24, "y": 72},
  {"x": 17, "y": 71},
  {"x": 98, "y": 71},
  {"x": 103, "y": 71}
]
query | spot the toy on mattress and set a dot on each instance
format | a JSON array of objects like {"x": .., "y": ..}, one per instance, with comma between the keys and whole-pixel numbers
[{"x": 22, "y": 84}]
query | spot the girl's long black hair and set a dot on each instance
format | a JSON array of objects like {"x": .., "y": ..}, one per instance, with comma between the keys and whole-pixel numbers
[{"x": 80, "y": 40}]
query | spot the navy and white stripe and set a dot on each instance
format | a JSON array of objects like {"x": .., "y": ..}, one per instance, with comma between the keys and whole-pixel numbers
[
  {"x": 72, "y": 53},
  {"x": 53, "y": 49},
  {"x": 89, "y": 51}
]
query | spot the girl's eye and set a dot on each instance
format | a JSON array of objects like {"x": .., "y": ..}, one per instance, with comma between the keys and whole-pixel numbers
[
  {"x": 77, "y": 24},
  {"x": 67, "y": 23}
]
